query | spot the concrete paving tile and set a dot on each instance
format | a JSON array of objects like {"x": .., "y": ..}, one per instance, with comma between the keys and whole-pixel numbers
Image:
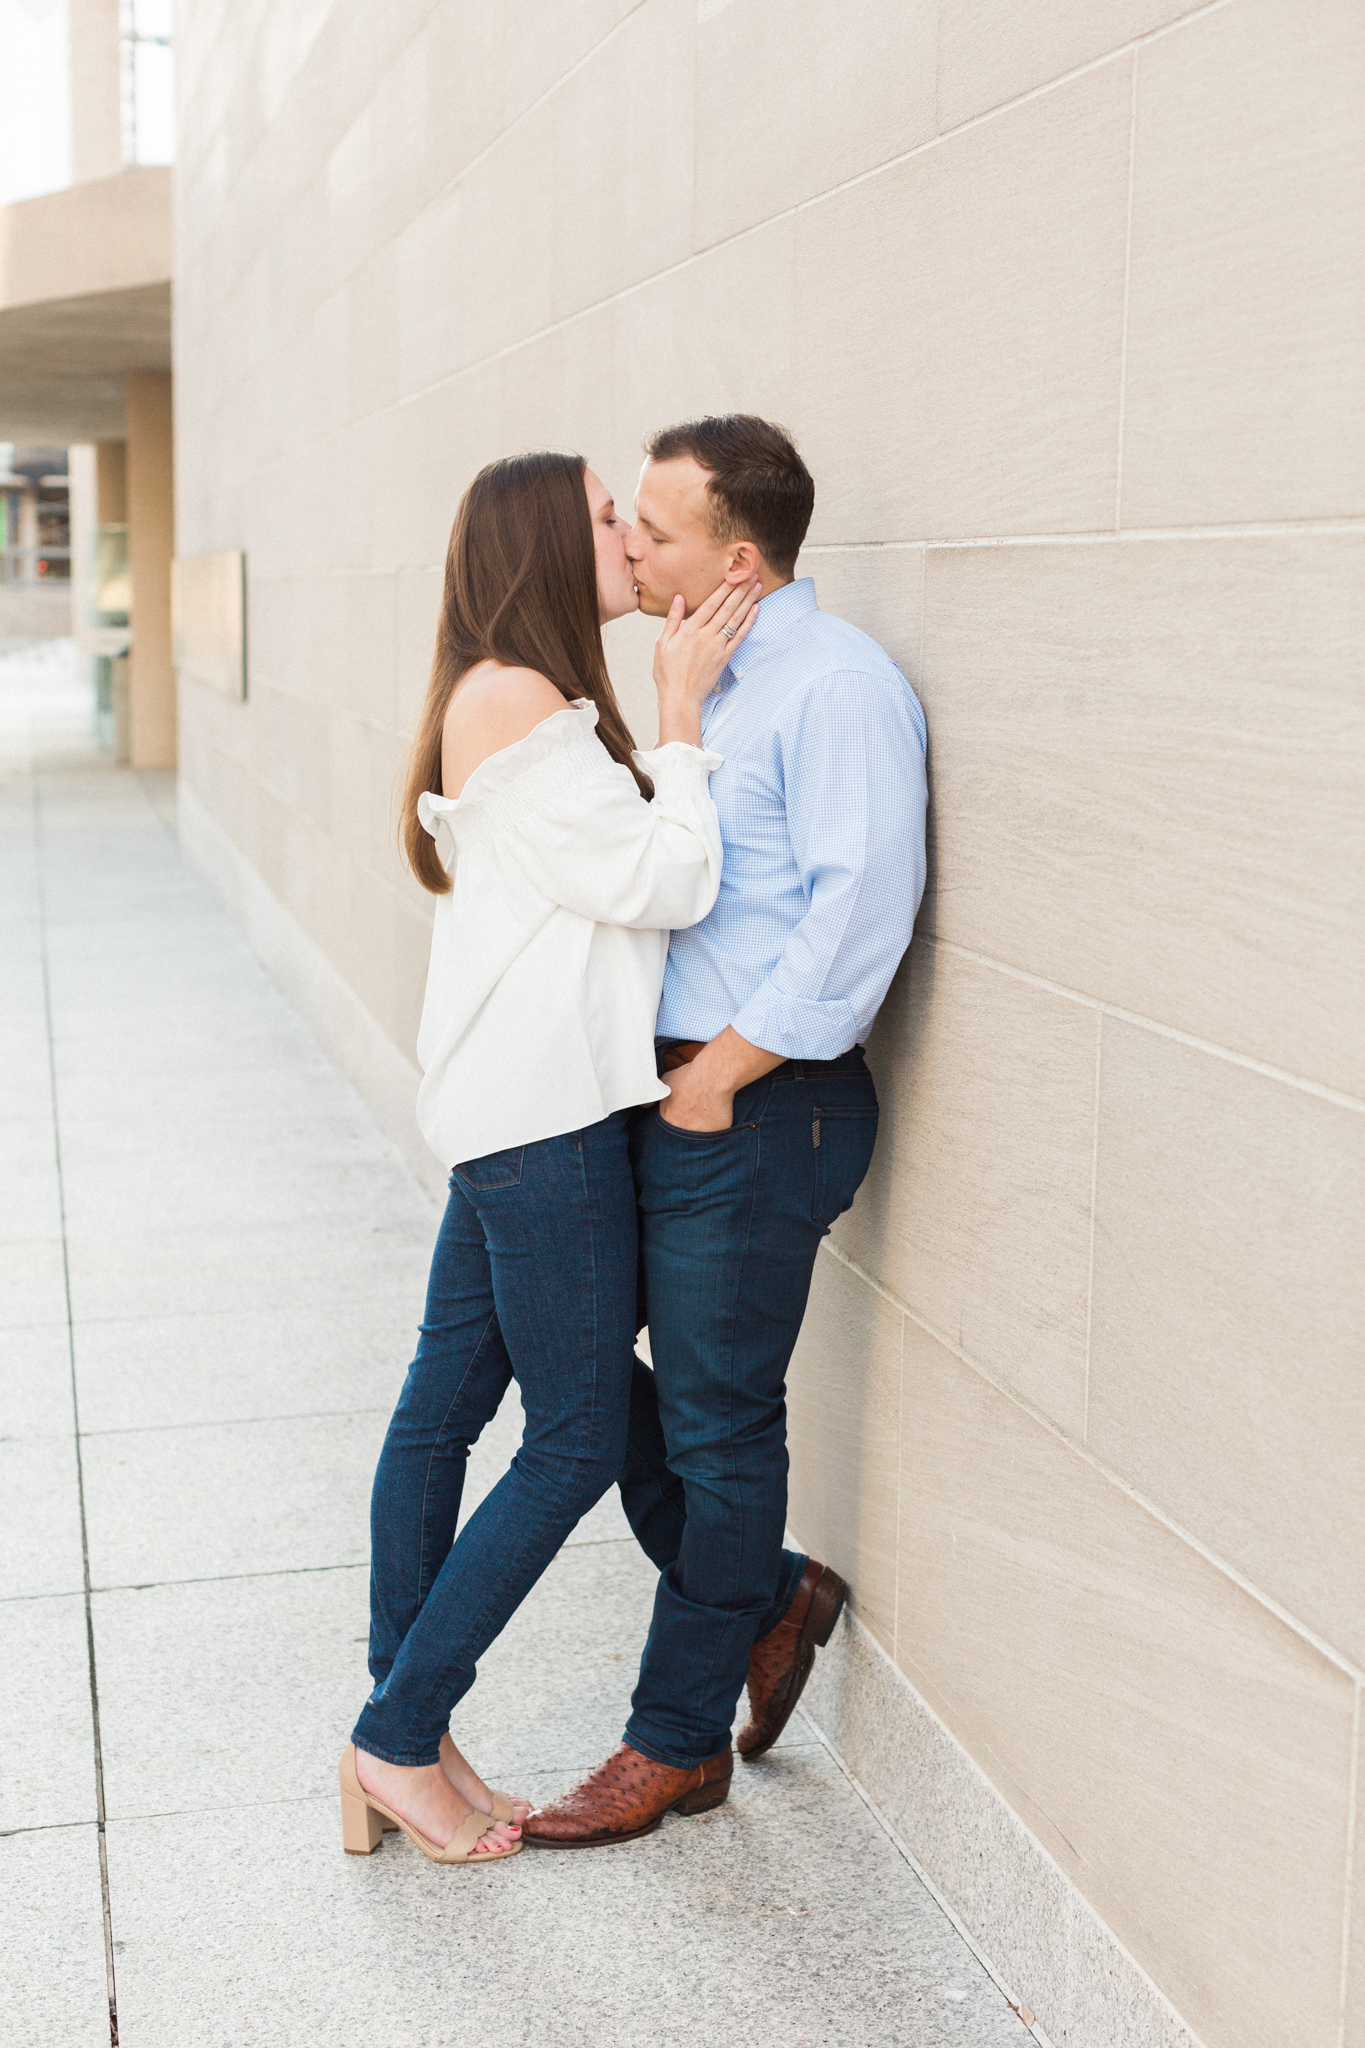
[
  {"x": 249, "y": 1262},
  {"x": 52, "y": 1938},
  {"x": 32, "y": 1282},
  {"x": 18, "y": 876},
  {"x": 267, "y": 1675},
  {"x": 113, "y": 953},
  {"x": 207, "y": 1178},
  {"x": 303, "y": 1100},
  {"x": 554, "y": 1691},
  {"x": 23, "y": 1041},
  {"x": 163, "y": 987},
  {"x": 47, "y": 1756},
  {"x": 315, "y": 1260},
  {"x": 171, "y": 1002},
  {"x": 25, "y": 1086},
  {"x": 552, "y": 1696},
  {"x": 21, "y": 995},
  {"x": 606, "y": 1523},
  {"x": 30, "y": 1196},
  {"x": 23, "y": 1008},
  {"x": 110, "y": 958},
  {"x": 785, "y": 1917},
  {"x": 40, "y": 1524},
  {"x": 266, "y": 1493},
  {"x": 242, "y": 1365},
  {"x": 493, "y": 1453},
  {"x": 179, "y": 1035},
  {"x": 227, "y": 1498},
  {"x": 128, "y": 889},
  {"x": 35, "y": 1381}
]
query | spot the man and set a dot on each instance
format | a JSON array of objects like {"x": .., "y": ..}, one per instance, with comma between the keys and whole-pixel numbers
[{"x": 771, "y": 1122}]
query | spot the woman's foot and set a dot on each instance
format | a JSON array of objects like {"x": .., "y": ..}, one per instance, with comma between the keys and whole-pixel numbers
[
  {"x": 471, "y": 1787},
  {"x": 428, "y": 1801}
]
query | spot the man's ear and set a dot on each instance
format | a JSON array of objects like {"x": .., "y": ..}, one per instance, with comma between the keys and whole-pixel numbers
[{"x": 744, "y": 561}]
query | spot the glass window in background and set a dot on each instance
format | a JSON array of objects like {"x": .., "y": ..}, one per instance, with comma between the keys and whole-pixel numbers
[
  {"x": 35, "y": 93},
  {"x": 35, "y": 524},
  {"x": 148, "y": 81}
]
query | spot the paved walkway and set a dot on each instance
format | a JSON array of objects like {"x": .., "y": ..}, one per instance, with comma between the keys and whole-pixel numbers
[{"x": 211, "y": 1265}]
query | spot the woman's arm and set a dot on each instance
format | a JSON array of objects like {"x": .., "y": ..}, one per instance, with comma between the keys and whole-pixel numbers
[{"x": 588, "y": 840}]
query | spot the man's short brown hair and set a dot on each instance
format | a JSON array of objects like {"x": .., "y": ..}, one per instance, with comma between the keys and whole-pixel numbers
[{"x": 758, "y": 489}]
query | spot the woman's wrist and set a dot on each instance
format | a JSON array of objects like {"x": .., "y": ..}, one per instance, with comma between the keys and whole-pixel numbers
[
  {"x": 679, "y": 722},
  {"x": 680, "y": 713}
]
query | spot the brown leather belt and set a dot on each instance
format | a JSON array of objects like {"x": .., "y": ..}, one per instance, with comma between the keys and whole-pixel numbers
[{"x": 681, "y": 1054}]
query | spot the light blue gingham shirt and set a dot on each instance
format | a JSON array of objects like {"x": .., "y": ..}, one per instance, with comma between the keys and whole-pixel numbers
[{"x": 821, "y": 799}]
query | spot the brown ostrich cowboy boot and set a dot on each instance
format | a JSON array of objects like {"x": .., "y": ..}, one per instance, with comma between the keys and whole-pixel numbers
[
  {"x": 781, "y": 1662},
  {"x": 627, "y": 1796}
]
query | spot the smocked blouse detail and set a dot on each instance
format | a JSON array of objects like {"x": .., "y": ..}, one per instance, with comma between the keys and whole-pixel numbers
[{"x": 547, "y": 955}]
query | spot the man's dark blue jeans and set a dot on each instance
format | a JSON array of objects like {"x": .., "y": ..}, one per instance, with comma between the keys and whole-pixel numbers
[
  {"x": 730, "y": 1223},
  {"x": 534, "y": 1276}
]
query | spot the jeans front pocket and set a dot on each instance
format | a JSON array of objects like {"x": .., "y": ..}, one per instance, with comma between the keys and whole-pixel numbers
[
  {"x": 701, "y": 1137},
  {"x": 494, "y": 1170},
  {"x": 843, "y": 1139}
]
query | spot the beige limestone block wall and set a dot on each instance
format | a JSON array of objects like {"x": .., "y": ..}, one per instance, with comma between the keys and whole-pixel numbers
[
  {"x": 1065, "y": 306},
  {"x": 150, "y": 495}
]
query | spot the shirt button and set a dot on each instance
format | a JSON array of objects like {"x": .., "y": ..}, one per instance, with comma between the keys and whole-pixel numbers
[{"x": 736, "y": 672}]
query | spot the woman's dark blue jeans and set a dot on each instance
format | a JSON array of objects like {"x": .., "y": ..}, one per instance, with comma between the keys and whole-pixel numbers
[{"x": 533, "y": 1279}]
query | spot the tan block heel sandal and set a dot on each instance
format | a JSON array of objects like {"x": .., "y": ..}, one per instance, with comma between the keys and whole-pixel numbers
[
  {"x": 503, "y": 1809},
  {"x": 364, "y": 1821}
]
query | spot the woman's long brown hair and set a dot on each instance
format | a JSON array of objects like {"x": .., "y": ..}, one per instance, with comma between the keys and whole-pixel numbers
[{"x": 520, "y": 588}]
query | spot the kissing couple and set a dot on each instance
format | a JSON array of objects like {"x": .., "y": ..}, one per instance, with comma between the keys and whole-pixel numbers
[{"x": 652, "y": 975}]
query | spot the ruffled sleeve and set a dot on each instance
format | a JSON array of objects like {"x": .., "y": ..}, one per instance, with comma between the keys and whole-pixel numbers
[
  {"x": 436, "y": 815},
  {"x": 597, "y": 848},
  {"x": 575, "y": 824}
]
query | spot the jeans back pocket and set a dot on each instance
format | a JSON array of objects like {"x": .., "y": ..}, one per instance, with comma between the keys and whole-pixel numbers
[
  {"x": 494, "y": 1170},
  {"x": 843, "y": 1138}
]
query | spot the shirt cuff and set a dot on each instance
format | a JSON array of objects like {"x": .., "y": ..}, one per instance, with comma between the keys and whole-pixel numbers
[
  {"x": 797, "y": 1029},
  {"x": 677, "y": 760}
]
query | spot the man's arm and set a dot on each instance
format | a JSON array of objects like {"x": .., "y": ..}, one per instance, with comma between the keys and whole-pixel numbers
[
  {"x": 704, "y": 1089},
  {"x": 853, "y": 766}
]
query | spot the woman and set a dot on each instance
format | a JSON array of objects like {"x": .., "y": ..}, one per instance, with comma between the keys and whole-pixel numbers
[{"x": 561, "y": 859}]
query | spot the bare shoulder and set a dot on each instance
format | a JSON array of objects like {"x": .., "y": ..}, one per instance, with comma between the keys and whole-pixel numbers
[
  {"x": 493, "y": 707},
  {"x": 504, "y": 696}
]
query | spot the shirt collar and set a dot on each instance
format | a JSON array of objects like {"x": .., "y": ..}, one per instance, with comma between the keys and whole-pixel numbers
[{"x": 778, "y": 612}]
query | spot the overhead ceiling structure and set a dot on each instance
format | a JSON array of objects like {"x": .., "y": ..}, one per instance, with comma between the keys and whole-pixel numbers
[{"x": 85, "y": 297}]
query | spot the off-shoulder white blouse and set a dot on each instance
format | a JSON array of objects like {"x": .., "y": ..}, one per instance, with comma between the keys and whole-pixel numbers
[{"x": 547, "y": 956}]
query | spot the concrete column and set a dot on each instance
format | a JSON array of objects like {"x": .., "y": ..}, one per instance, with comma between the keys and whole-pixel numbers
[
  {"x": 98, "y": 473},
  {"x": 111, "y": 483},
  {"x": 151, "y": 543},
  {"x": 82, "y": 469},
  {"x": 28, "y": 532},
  {"x": 96, "y": 90}
]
